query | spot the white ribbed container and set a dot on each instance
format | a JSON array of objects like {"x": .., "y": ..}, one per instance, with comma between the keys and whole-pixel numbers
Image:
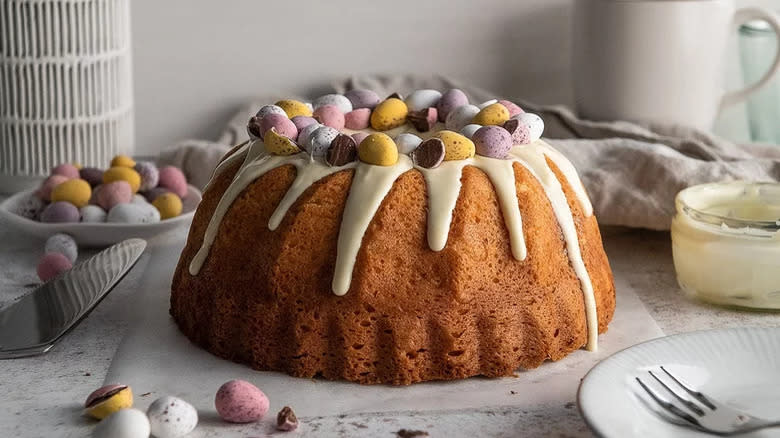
[{"x": 65, "y": 86}]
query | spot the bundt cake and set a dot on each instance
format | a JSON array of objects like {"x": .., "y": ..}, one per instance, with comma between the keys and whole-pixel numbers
[{"x": 393, "y": 241}]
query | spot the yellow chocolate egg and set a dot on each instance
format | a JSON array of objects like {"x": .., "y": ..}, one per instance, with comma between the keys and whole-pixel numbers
[
  {"x": 456, "y": 146},
  {"x": 107, "y": 400},
  {"x": 378, "y": 149},
  {"x": 389, "y": 114},
  {"x": 122, "y": 161},
  {"x": 120, "y": 173},
  {"x": 77, "y": 165},
  {"x": 168, "y": 204},
  {"x": 277, "y": 144},
  {"x": 495, "y": 114},
  {"x": 294, "y": 108},
  {"x": 75, "y": 191}
]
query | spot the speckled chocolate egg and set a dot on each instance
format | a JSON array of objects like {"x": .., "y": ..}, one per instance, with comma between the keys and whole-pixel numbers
[
  {"x": 173, "y": 179},
  {"x": 270, "y": 109},
  {"x": 63, "y": 244},
  {"x": 239, "y": 401},
  {"x": 302, "y": 122},
  {"x": 512, "y": 107},
  {"x": 282, "y": 124},
  {"x": 171, "y": 417},
  {"x": 150, "y": 175},
  {"x": 535, "y": 125},
  {"x": 133, "y": 214},
  {"x": 320, "y": 140},
  {"x": 389, "y": 114},
  {"x": 357, "y": 119},
  {"x": 492, "y": 141},
  {"x": 107, "y": 400},
  {"x": 67, "y": 170},
  {"x": 460, "y": 117},
  {"x": 169, "y": 205},
  {"x": 127, "y": 423},
  {"x": 92, "y": 214},
  {"x": 421, "y": 99},
  {"x": 92, "y": 175},
  {"x": 407, "y": 143},
  {"x": 294, "y": 108},
  {"x": 469, "y": 130},
  {"x": 51, "y": 265},
  {"x": 361, "y": 98},
  {"x": 493, "y": 114},
  {"x": 30, "y": 207},
  {"x": 359, "y": 136},
  {"x": 518, "y": 130},
  {"x": 338, "y": 100},
  {"x": 114, "y": 193},
  {"x": 451, "y": 99},
  {"x": 60, "y": 212},
  {"x": 304, "y": 137},
  {"x": 457, "y": 147},
  {"x": 378, "y": 149},
  {"x": 44, "y": 191},
  {"x": 330, "y": 115}
]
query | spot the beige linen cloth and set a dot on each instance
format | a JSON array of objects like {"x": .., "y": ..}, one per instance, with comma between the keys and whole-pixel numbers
[{"x": 632, "y": 172}]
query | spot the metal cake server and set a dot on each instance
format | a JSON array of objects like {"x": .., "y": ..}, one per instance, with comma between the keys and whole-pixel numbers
[{"x": 34, "y": 323}]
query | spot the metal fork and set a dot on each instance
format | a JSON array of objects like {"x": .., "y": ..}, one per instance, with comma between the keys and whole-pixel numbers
[{"x": 698, "y": 411}]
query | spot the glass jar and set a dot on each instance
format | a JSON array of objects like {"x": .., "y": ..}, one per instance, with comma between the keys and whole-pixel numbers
[
  {"x": 757, "y": 47},
  {"x": 726, "y": 244}
]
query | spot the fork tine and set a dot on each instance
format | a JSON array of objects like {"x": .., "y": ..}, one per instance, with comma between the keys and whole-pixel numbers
[
  {"x": 689, "y": 404},
  {"x": 696, "y": 394},
  {"x": 669, "y": 406}
]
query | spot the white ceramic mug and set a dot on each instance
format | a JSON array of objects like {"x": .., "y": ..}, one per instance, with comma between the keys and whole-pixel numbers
[{"x": 658, "y": 61}]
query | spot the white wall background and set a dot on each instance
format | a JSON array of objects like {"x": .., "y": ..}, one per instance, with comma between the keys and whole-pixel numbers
[{"x": 196, "y": 61}]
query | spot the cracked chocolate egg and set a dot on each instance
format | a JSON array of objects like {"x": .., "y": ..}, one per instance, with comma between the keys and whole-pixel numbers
[{"x": 108, "y": 399}]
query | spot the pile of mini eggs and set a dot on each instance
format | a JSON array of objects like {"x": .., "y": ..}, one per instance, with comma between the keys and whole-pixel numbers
[
  {"x": 128, "y": 192},
  {"x": 236, "y": 401},
  {"x": 321, "y": 129}
]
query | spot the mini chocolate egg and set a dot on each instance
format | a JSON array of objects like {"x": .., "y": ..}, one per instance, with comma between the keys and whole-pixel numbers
[
  {"x": 493, "y": 114},
  {"x": 421, "y": 99},
  {"x": 294, "y": 108},
  {"x": 60, "y": 212},
  {"x": 320, "y": 140},
  {"x": 254, "y": 128},
  {"x": 152, "y": 194},
  {"x": 173, "y": 179},
  {"x": 389, "y": 114},
  {"x": 67, "y": 170},
  {"x": 133, "y": 214},
  {"x": 92, "y": 214},
  {"x": 430, "y": 153},
  {"x": 361, "y": 98},
  {"x": 122, "y": 161},
  {"x": 270, "y": 109},
  {"x": 169, "y": 205},
  {"x": 359, "y": 136},
  {"x": 487, "y": 103},
  {"x": 457, "y": 146},
  {"x": 451, "y": 99},
  {"x": 535, "y": 125},
  {"x": 239, "y": 401},
  {"x": 107, "y": 400},
  {"x": 511, "y": 107},
  {"x": 302, "y": 122},
  {"x": 378, "y": 149},
  {"x": 51, "y": 265},
  {"x": 492, "y": 141},
  {"x": 342, "y": 151},
  {"x": 44, "y": 191},
  {"x": 357, "y": 119},
  {"x": 171, "y": 417},
  {"x": 286, "y": 420},
  {"x": 406, "y": 143},
  {"x": 76, "y": 191},
  {"x": 138, "y": 199},
  {"x": 29, "y": 207},
  {"x": 150, "y": 176},
  {"x": 123, "y": 174},
  {"x": 126, "y": 423},
  {"x": 518, "y": 130},
  {"x": 92, "y": 175},
  {"x": 114, "y": 193},
  {"x": 423, "y": 120},
  {"x": 63, "y": 244},
  {"x": 469, "y": 130},
  {"x": 282, "y": 124},
  {"x": 460, "y": 117},
  {"x": 330, "y": 115},
  {"x": 277, "y": 144},
  {"x": 338, "y": 100},
  {"x": 304, "y": 137}
]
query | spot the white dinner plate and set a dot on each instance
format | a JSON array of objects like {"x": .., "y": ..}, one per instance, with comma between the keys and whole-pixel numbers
[
  {"x": 740, "y": 367},
  {"x": 96, "y": 234}
]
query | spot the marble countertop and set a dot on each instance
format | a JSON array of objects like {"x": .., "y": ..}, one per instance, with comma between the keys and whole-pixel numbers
[{"x": 42, "y": 396}]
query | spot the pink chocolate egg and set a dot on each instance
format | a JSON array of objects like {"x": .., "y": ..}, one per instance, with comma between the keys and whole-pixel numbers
[
  {"x": 357, "y": 119},
  {"x": 239, "y": 401},
  {"x": 174, "y": 180},
  {"x": 512, "y": 107},
  {"x": 44, "y": 191},
  {"x": 283, "y": 125},
  {"x": 492, "y": 141},
  {"x": 362, "y": 98},
  {"x": 359, "y": 136},
  {"x": 51, "y": 265},
  {"x": 330, "y": 115},
  {"x": 303, "y": 121},
  {"x": 450, "y": 100},
  {"x": 114, "y": 193},
  {"x": 67, "y": 170}
]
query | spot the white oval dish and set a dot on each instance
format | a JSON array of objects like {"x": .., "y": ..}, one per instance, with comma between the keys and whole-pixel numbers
[
  {"x": 738, "y": 366},
  {"x": 96, "y": 234}
]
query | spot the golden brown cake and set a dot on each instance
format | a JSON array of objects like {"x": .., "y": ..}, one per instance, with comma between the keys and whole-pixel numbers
[{"x": 423, "y": 269}]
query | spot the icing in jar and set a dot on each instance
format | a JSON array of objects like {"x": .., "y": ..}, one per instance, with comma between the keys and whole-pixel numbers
[{"x": 726, "y": 244}]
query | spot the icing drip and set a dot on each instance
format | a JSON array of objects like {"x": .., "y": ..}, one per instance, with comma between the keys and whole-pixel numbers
[
  {"x": 445, "y": 182},
  {"x": 224, "y": 164},
  {"x": 568, "y": 170},
  {"x": 369, "y": 187}
]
